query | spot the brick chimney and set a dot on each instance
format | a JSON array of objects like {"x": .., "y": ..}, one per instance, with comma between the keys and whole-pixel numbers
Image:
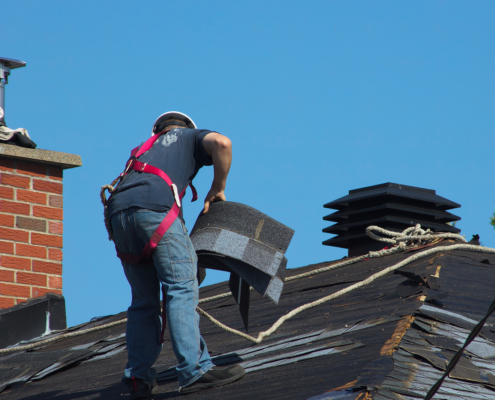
[{"x": 31, "y": 222}]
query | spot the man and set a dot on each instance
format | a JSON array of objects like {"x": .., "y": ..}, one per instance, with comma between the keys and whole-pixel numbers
[{"x": 136, "y": 208}]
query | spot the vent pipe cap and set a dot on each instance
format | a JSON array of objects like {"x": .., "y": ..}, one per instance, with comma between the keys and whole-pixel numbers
[{"x": 390, "y": 206}]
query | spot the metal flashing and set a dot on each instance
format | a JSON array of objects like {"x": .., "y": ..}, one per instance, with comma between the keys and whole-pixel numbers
[{"x": 28, "y": 319}]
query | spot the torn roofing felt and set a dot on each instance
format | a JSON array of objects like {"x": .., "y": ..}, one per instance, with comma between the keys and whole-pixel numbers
[{"x": 388, "y": 340}]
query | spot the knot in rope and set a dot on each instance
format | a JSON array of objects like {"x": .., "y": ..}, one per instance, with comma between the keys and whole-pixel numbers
[{"x": 409, "y": 237}]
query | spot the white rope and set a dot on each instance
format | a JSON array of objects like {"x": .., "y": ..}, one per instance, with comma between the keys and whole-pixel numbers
[
  {"x": 65, "y": 335},
  {"x": 411, "y": 235},
  {"x": 327, "y": 268},
  {"x": 218, "y": 296}
]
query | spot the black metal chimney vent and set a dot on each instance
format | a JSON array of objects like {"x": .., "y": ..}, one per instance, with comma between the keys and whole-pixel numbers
[{"x": 389, "y": 205}]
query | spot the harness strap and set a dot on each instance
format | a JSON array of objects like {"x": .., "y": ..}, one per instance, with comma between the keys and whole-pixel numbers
[
  {"x": 143, "y": 167},
  {"x": 160, "y": 232},
  {"x": 164, "y": 313},
  {"x": 150, "y": 169},
  {"x": 194, "y": 192},
  {"x": 136, "y": 152},
  {"x": 145, "y": 257}
]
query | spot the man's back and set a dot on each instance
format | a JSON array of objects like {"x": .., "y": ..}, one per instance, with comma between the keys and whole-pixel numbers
[{"x": 180, "y": 154}]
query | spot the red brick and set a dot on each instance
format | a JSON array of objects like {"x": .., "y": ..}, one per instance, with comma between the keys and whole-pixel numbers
[
  {"x": 46, "y": 240},
  {"x": 15, "y": 262},
  {"x": 29, "y": 278},
  {"x": 30, "y": 224},
  {"x": 6, "y": 165},
  {"x": 56, "y": 227},
  {"x": 13, "y": 180},
  {"x": 55, "y": 254},
  {"x": 15, "y": 234},
  {"x": 56, "y": 173},
  {"x": 7, "y": 247},
  {"x": 6, "y": 193},
  {"x": 14, "y": 290},
  {"x": 55, "y": 282},
  {"x": 47, "y": 186},
  {"x": 19, "y": 300},
  {"x": 28, "y": 250},
  {"x": 31, "y": 197},
  {"x": 47, "y": 267},
  {"x": 14, "y": 207},
  {"x": 6, "y": 276},
  {"x": 41, "y": 291},
  {"x": 48, "y": 212},
  {"x": 5, "y": 302},
  {"x": 56, "y": 201},
  {"x": 7, "y": 220},
  {"x": 24, "y": 168}
]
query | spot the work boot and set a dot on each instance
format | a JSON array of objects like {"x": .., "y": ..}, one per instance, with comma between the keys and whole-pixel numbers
[
  {"x": 215, "y": 376},
  {"x": 139, "y": 389}
]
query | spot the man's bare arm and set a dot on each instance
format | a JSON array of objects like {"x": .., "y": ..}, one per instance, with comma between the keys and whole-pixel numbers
[{"x": 219, "y": 147}]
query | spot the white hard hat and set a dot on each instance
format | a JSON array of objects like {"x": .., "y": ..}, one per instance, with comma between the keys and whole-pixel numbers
[{"x": 173, "y": 115}]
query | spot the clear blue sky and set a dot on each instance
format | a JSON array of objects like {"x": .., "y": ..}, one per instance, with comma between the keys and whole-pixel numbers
[{"x": 318, "y": 97}]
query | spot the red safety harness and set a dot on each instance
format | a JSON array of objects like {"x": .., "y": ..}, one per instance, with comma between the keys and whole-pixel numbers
[{"x": 145, "y": 258}]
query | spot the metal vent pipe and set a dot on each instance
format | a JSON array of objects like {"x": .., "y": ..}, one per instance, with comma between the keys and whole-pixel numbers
[{"x": 6, "y": 64}]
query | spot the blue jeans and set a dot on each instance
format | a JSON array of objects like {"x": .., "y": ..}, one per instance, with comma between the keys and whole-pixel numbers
[{"x": 175, "y": 266}]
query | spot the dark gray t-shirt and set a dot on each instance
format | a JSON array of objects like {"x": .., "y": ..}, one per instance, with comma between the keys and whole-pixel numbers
[{"x": 180, "y": 154}]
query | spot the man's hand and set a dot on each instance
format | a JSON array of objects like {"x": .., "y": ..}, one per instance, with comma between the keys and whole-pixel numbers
[
  {"x": 212, "y": 197},
  {"x": 219, "y": 148}
]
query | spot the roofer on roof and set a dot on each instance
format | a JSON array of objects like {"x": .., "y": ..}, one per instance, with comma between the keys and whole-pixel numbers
[{"x": 141, "y": 206}]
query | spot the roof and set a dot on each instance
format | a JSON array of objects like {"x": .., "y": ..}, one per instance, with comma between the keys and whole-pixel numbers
[{"x": 388, "y": 340}]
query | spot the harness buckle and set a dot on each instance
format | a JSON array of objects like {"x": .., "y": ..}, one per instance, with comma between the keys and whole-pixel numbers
[
  {"x": 176, "y": 194},
  {"x": 142, "y": 167}
]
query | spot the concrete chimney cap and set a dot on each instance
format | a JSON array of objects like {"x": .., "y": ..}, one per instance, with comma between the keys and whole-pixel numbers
[{"x": 11, "y": 63}]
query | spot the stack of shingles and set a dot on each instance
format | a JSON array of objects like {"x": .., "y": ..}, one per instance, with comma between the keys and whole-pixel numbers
[{"x": 250, "y": 245}]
